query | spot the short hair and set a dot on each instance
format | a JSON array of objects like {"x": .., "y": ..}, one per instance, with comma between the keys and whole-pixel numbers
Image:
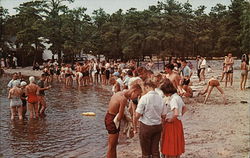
[
  {"x": 130, "y": 73},
  {"x": 183, "y": 60},
  {"x": 32, "y": 79},
  {"x": 167, "y": 87},
  {"x": 43, "y": 75},
  {"x": 136, "y": 87},
  {"x": 150, "y": 83},
  {"x": 170, "y": 66}
]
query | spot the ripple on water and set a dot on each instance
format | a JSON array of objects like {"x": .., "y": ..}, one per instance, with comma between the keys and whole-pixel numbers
[{"x": 64, "y": 132}]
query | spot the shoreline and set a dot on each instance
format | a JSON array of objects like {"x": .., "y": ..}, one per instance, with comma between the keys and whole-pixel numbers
[
  {"x": 26, "y": 71},
  {"x": 210, "y": 130}
]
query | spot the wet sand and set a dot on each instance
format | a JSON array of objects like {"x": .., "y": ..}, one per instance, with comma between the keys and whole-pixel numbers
[{"x": 211, "y": 130}]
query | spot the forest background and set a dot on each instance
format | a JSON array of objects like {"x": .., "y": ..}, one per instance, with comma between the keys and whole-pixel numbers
[{"x": 168, "y": 28}]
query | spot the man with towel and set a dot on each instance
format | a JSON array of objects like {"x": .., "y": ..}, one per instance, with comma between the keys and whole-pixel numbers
[{"x": 115, "y": 113}]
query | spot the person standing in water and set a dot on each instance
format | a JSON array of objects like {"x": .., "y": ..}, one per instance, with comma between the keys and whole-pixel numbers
[
  {"x": 24, "y": 98},
  {"x": 41, "y": 96},
  {"x": 31, "y": 91},
  {"x": 116, "y": 110},
  {"x": 15, "y": 100}
]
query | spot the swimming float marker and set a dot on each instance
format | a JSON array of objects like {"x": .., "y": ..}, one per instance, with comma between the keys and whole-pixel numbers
[{"x": 88, "y": 114}]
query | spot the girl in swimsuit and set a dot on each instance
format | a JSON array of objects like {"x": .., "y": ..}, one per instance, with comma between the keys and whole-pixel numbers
[
  {"x": 15, "y": 100},
  {"x": 244, "y": 73}
]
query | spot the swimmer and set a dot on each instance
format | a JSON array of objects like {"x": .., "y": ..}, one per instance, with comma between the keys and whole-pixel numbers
[
  {"x": 15, "y": 100},
  {"x": 23, "y": 97},
  {"x": 116, "y": 107},
  {"x": 173, "y": 77},
  {"x": 244, "y": 73},
  {"x": 31, "y": 91},
  {"x": 211, "y": 84},
  {"x": 41, "y": 95}
]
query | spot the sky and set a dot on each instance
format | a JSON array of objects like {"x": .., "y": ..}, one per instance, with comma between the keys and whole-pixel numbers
[{"x": 111, "y": 6}]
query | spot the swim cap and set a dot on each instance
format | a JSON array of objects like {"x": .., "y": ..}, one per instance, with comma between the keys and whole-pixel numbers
[
  {"x": 23, "y": 83},
  {"x": 32, "y": 79},
  {"x": 16, "y": 83}
]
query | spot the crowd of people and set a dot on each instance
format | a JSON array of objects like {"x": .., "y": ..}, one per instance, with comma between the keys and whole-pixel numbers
[
  {"x": 24, "y": 96},
  {"x": 148, "y": 102}
]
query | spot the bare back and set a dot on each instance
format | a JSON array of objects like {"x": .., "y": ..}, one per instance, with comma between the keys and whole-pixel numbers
[
  {"x": 174, "y": 78},
  {"x": 116, "y": 101},
  {"x": 32, "y": 89},
  {"x": 15, "y": 92}
]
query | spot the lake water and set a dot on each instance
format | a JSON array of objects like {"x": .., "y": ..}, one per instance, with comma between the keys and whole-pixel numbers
[{"x": 64, "y": 132}]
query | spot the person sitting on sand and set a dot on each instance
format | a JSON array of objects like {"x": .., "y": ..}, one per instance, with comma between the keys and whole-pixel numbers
[
  {"x": 116, "y": 110},
  {"x": 212, "y": 83},
  {"x": 209, "y": 69},
  {"x": 15, "y": 100}
]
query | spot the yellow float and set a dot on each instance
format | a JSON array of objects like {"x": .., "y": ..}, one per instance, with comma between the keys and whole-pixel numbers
[{"x": 88, "y": 114}]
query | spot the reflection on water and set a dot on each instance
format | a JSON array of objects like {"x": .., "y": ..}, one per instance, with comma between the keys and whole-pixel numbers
[{"x": 64, "y": 132}]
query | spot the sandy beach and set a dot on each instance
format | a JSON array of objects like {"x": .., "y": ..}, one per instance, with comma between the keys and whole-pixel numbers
[{"x": 212, "y": 130}]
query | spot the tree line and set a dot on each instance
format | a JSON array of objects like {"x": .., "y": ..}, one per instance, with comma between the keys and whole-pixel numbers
[{"x": 168, "y": 28}]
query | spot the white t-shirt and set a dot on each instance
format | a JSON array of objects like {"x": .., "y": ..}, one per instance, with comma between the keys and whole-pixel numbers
[
  {"x": 160, "y": 92},
  {"x": 126, "y": 80},
  {"x": 119, "y": 80},
  {"x": 151, "y": 107},
  {"x": 175, "y": 101},
  {"x": 203, "y": 63}
]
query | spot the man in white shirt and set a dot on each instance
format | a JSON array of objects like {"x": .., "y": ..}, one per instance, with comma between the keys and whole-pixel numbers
[
  {"x": 14, "y": 77},
  {"x": 150, "y": 112}
]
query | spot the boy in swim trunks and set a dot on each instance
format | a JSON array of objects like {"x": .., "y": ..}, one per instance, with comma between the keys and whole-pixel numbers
[
  {"x": 116, "y": 107},
  {"x": 211, "y": 84}
]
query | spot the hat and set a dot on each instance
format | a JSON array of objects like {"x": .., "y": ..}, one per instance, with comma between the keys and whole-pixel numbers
[
  {"x": 16, "y": 83},
  {"x": 23, "y": 83},
  {"x": 116, "y": 74}
]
